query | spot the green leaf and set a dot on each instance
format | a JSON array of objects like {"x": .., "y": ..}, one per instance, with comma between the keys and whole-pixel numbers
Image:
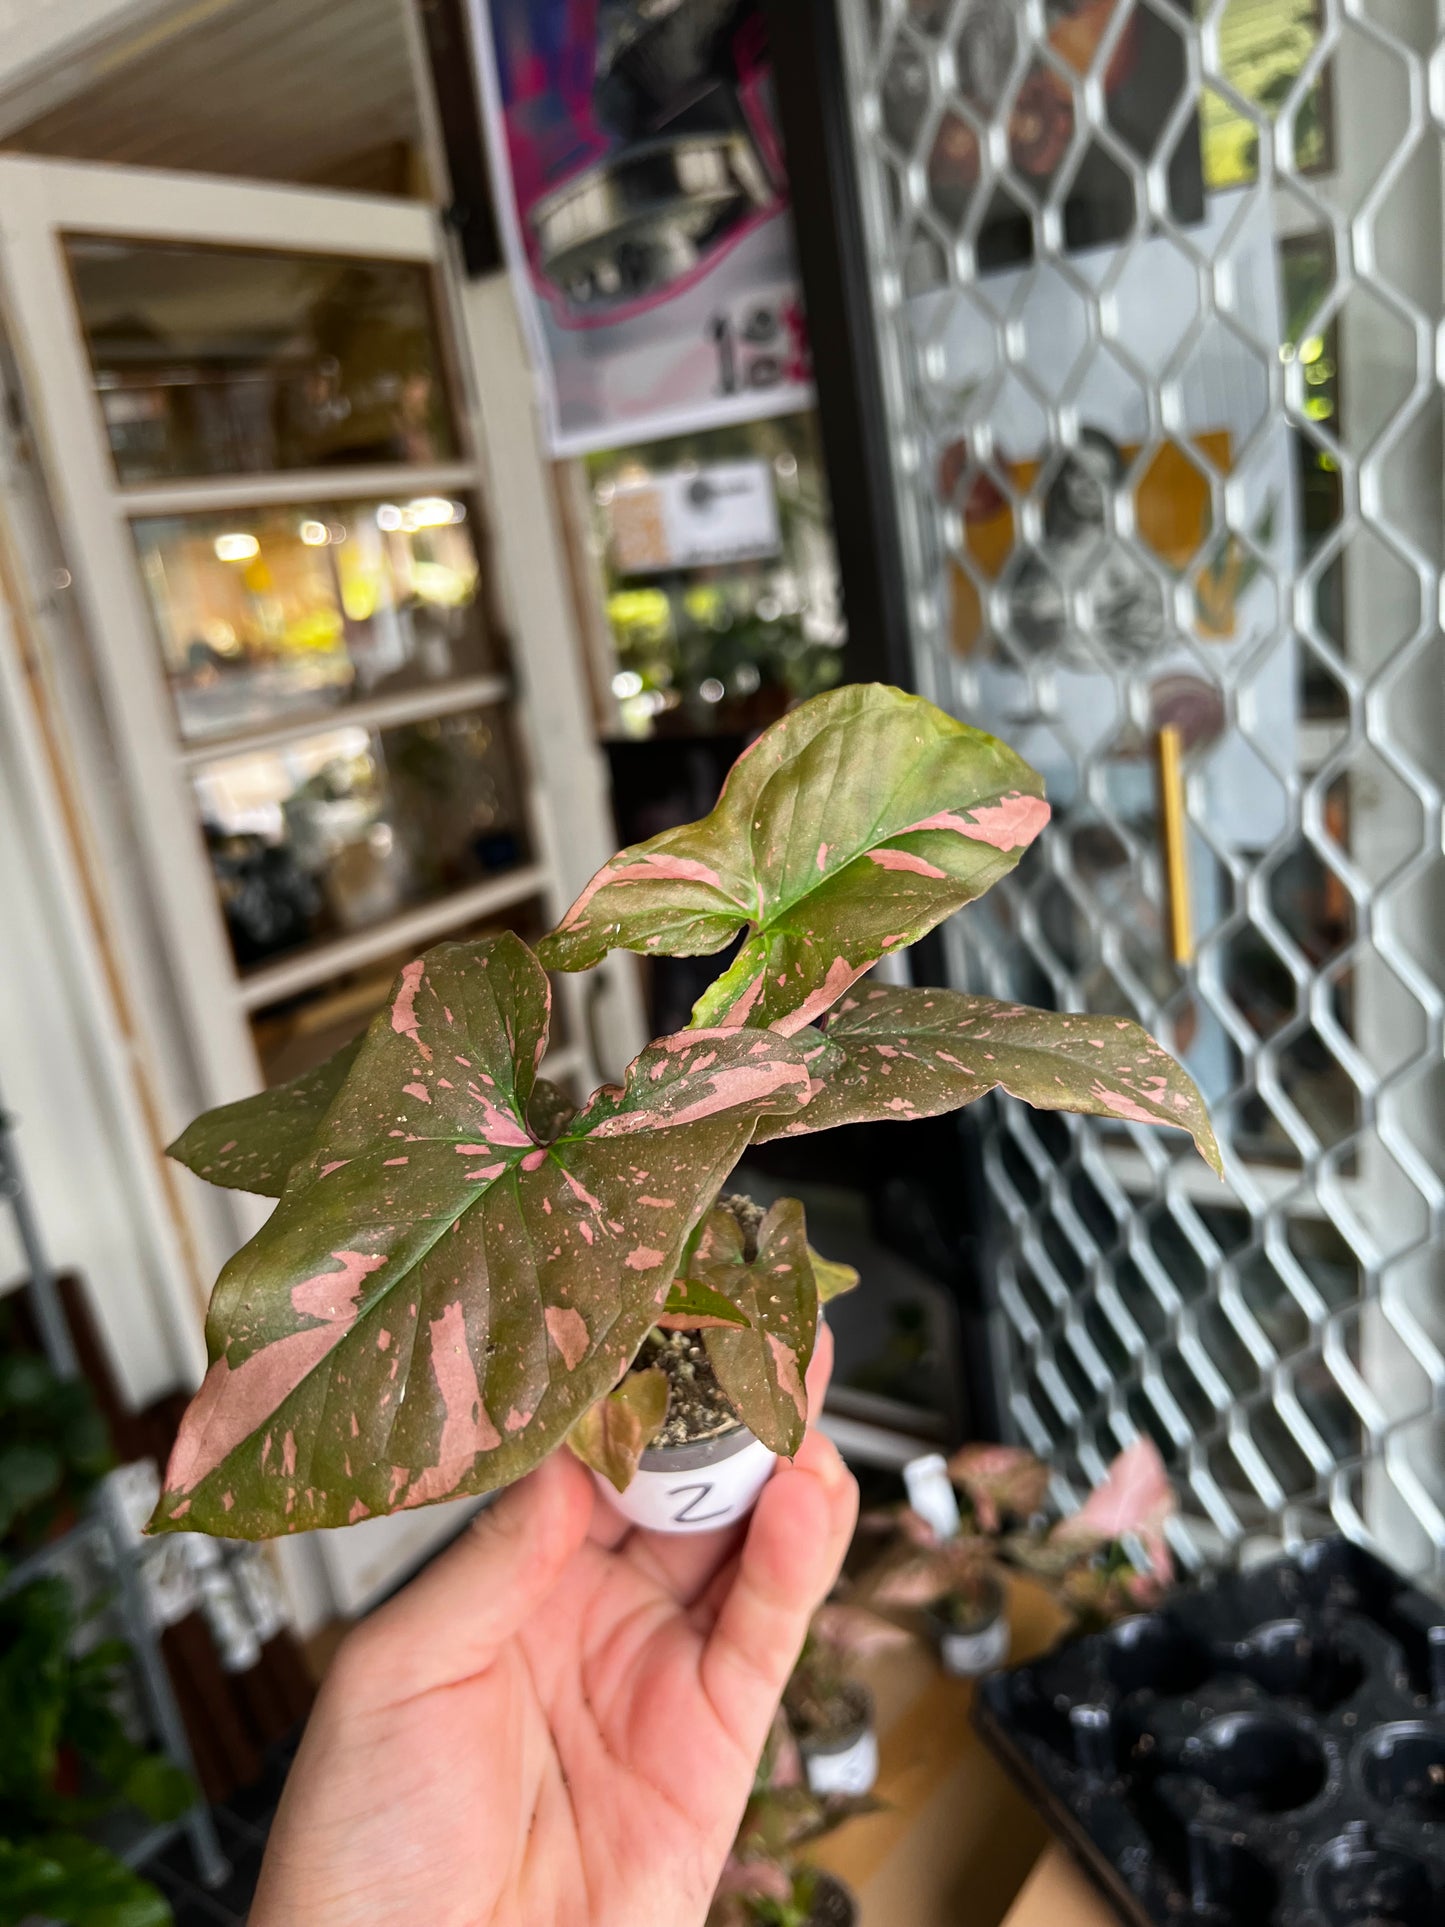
[
  {"x": 915, "y": 1053},
  {"x": 762, "y": 1369},
  {"x": 848, "y": 830},
  {"x": 612, "y": 1435},
  {"x": 29, "y": 1472},
  {"x": 693, "y": 1306},
  {"x": 831, "y": 1279},
  {"x": 157, "y": 1786},
  {"x": 252, "y": 1144},
  {"x": 437, "y": 1298},
  {"x": 66, "y": 1878}
]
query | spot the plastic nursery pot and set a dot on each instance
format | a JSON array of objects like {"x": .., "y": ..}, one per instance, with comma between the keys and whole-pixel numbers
[
  {"x": 845, "y": 1758},
  {"x": 833, "y": 1905},
  {"x": 972, "y": 1638},
  {"x": 697, "y": 1486}
]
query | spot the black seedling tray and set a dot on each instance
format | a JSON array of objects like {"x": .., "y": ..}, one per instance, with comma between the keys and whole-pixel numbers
[{"x": 1265, "y": 1750}]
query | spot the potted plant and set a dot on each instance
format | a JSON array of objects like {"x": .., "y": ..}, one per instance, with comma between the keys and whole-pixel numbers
[
  {"x": 765, "y": 1883},
  {"x": 462, "y": 1270},
  {"x": 1107, "y": 1559},
  {"x": 66, "y": 1764},
  {"x": 54, "y": 1445},
  {"x": 830, "y": 1710}
]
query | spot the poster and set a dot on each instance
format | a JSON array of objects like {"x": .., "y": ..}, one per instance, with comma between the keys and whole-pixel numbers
[{"x": 644, "y": 207}]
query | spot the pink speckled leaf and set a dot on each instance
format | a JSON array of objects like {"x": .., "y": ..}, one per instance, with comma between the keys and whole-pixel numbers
[
  {"x": 612, "y": 1435},
  {"x": 252, "y": 1144},
  {"x": 762, "y": 1368},
  {"x": 1135, "y": 1500},
  {"x": 1000, "y": 1480},
  {"x": 437, "y": 1297},
  {"x": 850, "y": 828},
  {"x": 915, "y": 1053}
]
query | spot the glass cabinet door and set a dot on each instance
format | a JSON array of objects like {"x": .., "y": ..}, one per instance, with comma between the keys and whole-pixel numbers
[{"x": 234, "y": 361}]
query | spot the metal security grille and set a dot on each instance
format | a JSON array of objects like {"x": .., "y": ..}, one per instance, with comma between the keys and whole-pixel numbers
[{"x": 1159, "y": 289}]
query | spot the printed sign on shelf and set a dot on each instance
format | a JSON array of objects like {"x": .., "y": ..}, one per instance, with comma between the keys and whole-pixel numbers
[
  {"x": 645, "y": 215},
  {"x": 687, "y": 518}
]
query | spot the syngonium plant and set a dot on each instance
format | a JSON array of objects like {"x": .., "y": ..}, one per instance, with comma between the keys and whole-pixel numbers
[
  {"x": 1109, "y": 1558},
  {"x": 461, "y": 1268}
]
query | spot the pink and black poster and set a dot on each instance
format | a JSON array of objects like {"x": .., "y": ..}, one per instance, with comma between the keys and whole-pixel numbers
[{"x": 644, "y": 201}]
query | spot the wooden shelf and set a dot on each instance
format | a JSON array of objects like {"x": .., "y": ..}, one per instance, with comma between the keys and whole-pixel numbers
[
  {"x": 421, "y": 925},
  {"x": 376, "y": 712},
  {"x": 299, "y": 487}
]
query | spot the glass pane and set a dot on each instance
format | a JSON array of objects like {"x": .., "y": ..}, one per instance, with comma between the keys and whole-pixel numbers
[
  {"x": 298, "y": 1032},
  {"x": 347, "y": 828},
  {"x": 222, "y": 361},
  {"x": 719, "y": 576},
  {"x": 264, "y": 614}
]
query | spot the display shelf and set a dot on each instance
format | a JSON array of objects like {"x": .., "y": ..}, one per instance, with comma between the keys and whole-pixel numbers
[
  {"x": 424, "y": 924},
  {"x": 377, "y": 712},
  {"x": 105, "y": 1524},
  {"x": 280, "y": 487}
]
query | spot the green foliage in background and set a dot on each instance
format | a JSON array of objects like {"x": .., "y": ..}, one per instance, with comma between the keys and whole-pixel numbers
[{"x": 66, "y": 1763}]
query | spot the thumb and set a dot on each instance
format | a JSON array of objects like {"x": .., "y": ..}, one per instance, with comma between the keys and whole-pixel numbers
[{"x": 447, "y": 1624}]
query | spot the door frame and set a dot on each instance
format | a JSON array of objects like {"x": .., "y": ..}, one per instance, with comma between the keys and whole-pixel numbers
[{"x": 185, "y": 981}]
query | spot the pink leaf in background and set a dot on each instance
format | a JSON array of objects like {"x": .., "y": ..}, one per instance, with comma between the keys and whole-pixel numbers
[
  {"x": 1000, "y": 1479},
  {"x": 755, "y": 1880},
  {"x": 855, "y": 1632},
  {"x": 1135, "y": 1498}
]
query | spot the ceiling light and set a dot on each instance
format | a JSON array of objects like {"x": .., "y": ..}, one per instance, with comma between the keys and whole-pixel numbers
[{"x": 236, "y": 548}]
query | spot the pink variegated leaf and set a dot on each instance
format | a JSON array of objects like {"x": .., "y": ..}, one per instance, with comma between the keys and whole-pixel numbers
[
  {"x": 612, "y": 1435},
  {"x": 763, "y": 1368},
  {"x": 251, "y": 1145},
  {"x": 849, "y": 829},
  {"x": 921, "y": 1578},
  {"x": 438, "y": 1297},
  {"x": 1000, "y": 1481},
  {"x": 855, "y": 1633},
  {"x": 1135, "y": 1500},
  {"x": 916, "y": 1053},
  {"x": 754, "y": 1880}
]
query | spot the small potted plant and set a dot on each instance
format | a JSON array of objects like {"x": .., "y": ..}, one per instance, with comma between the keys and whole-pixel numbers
[
  {"x": 1107, "y": 1559},
  {"x": 828, "y": 1708},
  {"x": 765, "y": 1883},
  {"x": 462, "y": 1269}
]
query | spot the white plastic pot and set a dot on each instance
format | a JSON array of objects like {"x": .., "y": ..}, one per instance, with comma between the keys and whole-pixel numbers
[
  {"x": 697, "y": 1487},
  {"x": 851, "y": 1768},
  {"x": 977, "y": 1650},
  {"x": 966, "y": 1655}
]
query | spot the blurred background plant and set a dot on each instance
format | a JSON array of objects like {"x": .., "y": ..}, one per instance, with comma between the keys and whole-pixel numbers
[
  {"x": 70, "y": 1771},
  {"x": 54, "y": 1445},
  {"x": 1107, "y": 1559},
  {"x": 766, "y": 1882}
]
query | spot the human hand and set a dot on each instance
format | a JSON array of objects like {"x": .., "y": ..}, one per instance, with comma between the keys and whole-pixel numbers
[{"x": 557, "y": 1724}]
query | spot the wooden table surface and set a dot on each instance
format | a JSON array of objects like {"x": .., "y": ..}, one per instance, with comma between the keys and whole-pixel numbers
[{"x": 956, "y": 1841}]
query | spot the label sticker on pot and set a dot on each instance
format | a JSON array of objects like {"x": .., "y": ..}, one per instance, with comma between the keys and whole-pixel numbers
[
  {"x": 930, "y": 1493},
  {"x": 965, "y": 1654},
  {"x": 698, "y": 1500},
  {"x": 851, "y": 1769}
]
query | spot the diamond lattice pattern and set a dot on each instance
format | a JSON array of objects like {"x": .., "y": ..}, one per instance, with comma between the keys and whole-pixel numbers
[{"x": 1159, "y": 287}]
